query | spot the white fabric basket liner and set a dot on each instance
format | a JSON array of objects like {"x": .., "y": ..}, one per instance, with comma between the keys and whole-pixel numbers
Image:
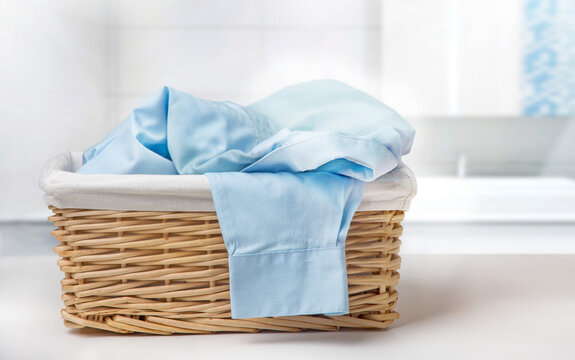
[{"x": 64, "y": 188}]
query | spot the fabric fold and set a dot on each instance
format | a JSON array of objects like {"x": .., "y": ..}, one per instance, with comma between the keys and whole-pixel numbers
[
  {"x": 287, "y": 253},
  {"x": 302, "y": 282},
  {"x": 286, "y": 174}
]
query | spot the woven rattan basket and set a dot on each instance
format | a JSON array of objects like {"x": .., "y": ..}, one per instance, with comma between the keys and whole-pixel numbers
[{"x": 167, "y": 272}]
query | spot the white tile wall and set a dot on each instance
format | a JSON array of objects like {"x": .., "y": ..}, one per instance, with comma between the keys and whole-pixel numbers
[
  {"x": 52, "y": 87},
  {"x": 146, "y": 60},
  {"x": 244, "y": 49},
  {"x": 199, "y": 61},
  {"x": 92, "y": 12},
  {"x": 414, "y": 63},
  {"x": 49, "y": 52},
  {"x": 300, "y": 54},
  {"x": 490, "y": 51},
  {"x": 188, "y": 13},
  {"x": 240, "y": 50},
  {"x": 234, "y": 13},
  {"x": 329, "y": 13},
  {"x": 451, "y": 57},
  {"x": 41, "y": 125}
]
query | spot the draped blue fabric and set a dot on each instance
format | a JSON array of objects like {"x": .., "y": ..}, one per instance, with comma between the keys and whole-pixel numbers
[{"x": 287, "y": 174}]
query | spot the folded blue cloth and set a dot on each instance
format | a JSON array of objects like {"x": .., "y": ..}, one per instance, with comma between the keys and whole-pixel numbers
[{"x": 287, "y": 174}]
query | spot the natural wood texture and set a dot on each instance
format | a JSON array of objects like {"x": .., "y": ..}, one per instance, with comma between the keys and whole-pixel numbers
[{"x": 167, "y": 272}]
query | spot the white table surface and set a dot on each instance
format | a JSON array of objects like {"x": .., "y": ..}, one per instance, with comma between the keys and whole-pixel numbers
[{"x": 451, "y": 306}]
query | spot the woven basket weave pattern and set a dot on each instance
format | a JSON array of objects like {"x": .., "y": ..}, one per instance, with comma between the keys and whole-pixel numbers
[{"x": 167, "y": 272}]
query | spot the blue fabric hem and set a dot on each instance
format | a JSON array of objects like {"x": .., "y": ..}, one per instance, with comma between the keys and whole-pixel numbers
[
  {"x": 321, "y": 287},
  {"x": 365, "y": 154}
]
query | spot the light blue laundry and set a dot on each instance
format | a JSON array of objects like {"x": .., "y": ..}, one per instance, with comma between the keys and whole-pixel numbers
[{"x": 287, "y": 174}]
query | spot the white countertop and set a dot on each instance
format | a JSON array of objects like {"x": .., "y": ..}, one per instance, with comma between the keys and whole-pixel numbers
[{"x": 451, "y": 306}]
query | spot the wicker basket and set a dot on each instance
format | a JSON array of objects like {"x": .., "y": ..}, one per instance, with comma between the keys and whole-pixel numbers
[{"x": 167, "y": 272}]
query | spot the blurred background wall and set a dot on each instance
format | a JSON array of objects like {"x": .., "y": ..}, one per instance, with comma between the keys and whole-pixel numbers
[
  {"x": 53, "y": 91},
  {"x": 71, "y": 70}
]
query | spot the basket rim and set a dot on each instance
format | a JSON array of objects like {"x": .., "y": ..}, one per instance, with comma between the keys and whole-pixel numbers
[{"x": 63, "y": 188}]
